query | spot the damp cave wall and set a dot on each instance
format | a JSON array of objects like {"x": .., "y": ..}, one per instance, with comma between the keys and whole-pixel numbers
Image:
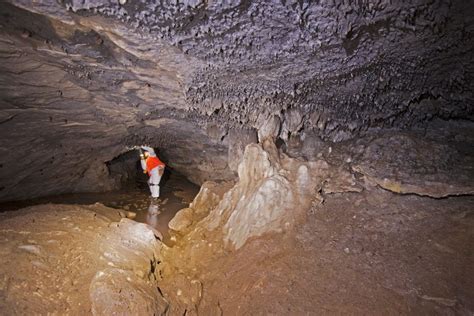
[{"x": 82, "y": 80}]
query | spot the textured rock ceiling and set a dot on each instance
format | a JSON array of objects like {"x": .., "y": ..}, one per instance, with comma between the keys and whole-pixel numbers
[{"x": 81, "y": 80}]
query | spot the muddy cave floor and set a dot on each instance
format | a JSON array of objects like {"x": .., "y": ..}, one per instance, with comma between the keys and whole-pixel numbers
[
  {"x": 367, "y": 252},
  {"x": 358, "y": 253}
]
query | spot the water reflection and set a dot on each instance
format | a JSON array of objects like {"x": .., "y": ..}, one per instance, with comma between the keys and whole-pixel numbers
[
  {"x": 176, "y": 194},
  {"x": 153, "y": 212}
]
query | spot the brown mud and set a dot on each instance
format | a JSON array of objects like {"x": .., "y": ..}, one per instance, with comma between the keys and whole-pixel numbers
[{"x": 368, "y": 253}]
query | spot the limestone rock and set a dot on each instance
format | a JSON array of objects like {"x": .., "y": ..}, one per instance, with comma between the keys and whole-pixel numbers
[
  {"x": 270, "y": 128},
  {"x": 63, "y": 259},
  {"x": 343, "y": 181},
  {"x": 272, "y": 192},
  {"x": 307, "y": 145},
  {"x": 263, "y": 198},
  {"x": 407, "y": 163},
  {"x": 182, "y": 220},
  {"x": 116, "y": 291},
  {"x": 238, "y": 140},
  {"x": 82, "y": 80},
  {"x": 206, "y": 200},
  {"x": 209, "y": 196},
  {"x": 292, "y": 124}
]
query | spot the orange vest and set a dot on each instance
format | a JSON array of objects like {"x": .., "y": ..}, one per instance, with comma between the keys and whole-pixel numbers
[{"x": 152, "y": 163}]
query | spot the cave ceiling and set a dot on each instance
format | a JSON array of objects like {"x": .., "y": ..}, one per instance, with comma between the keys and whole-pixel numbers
[{"x": 86, "y": 79}]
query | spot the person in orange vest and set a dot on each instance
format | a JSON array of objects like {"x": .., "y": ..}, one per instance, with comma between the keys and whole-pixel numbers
[{"x": 154, "y": 167}]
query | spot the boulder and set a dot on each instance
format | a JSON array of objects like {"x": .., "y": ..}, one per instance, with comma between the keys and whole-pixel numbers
[
  {"x": 69, "y": 259},
  {"x": 182, "y": 220},
  {"x": 121, "y": 292}
]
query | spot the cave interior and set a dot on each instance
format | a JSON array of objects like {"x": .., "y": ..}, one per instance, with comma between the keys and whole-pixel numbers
[{"x": 319, "y": 157}]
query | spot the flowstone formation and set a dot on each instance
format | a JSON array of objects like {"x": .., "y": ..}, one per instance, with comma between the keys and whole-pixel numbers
[{"x": 271, "y": 194}]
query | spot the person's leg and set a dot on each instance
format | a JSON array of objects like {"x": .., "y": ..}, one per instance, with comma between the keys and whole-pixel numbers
[
  {"x": 155, "y": 191},
  {"x": 155, "y": 183},
  {"x": 150, "y": 186},
  {"x": 154, "y": 188},
  {"x": 157, "y": 186}
]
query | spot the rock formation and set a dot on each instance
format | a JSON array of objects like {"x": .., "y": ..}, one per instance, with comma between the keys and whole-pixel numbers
[
  {"x": 77, "y": 260},
  {"x": 246, "y": 245},
  {"x": 81, "y": 80},
  {"x": 271, "y": 194}
]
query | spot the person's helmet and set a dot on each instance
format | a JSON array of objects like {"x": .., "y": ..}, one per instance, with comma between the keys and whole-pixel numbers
[{"x": 150, "y": 150}]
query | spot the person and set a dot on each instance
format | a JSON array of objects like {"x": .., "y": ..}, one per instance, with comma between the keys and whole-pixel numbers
[{"x": 154, "y": 167}]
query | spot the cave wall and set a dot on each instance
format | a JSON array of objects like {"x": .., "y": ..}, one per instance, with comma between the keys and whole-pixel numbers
[
  {"x": 82, "y": 80},
  {"x": 70, "y": 104}
]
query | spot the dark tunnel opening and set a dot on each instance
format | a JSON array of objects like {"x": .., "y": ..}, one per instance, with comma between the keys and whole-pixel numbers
[{"x": 127, "y": 170}]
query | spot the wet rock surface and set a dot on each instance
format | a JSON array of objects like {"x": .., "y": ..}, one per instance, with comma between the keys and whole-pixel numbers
[{"x": 77, "y": 260}]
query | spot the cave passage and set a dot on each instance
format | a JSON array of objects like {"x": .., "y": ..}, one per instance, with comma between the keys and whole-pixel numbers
[
  {"x": 133, "y": 196},
  {"x": 319, "y": 157}
]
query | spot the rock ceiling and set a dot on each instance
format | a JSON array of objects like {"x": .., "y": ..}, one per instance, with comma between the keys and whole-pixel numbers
[{"x": 82, "y": 80}]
